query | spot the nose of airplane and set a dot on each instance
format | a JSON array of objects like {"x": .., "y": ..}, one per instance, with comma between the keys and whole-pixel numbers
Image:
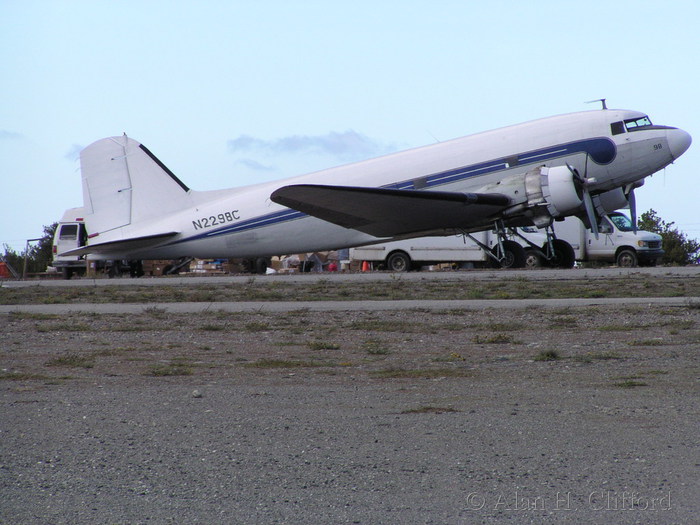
[{"x": 678, "y": 141}]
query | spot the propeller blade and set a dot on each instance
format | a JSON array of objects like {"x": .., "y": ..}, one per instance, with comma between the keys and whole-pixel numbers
[
  {"x": 633, "y": 209},
  {"x": 576, "y": 174},
  {"x": 590, "y": 211},
  {"x": 587, "y": 201}
]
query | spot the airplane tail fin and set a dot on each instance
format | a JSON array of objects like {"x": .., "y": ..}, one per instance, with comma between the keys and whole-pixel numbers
[{"x": 124, "y": 183}]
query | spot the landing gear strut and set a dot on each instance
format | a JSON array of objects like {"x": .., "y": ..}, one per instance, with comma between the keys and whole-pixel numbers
[
  {"x": 506, "y": 253},
  {"x": 557, "y": 253}
]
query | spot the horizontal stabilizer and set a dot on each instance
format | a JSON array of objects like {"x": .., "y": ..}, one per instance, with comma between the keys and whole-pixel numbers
[
  {"x": 385, "y": 212},
  {"x": 122, "y": 245}
]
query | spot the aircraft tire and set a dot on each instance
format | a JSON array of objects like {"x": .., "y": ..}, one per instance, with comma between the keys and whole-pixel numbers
[
  {"x": 514, "y": 255},
  {"x": 564, "y": 256},
  {"x": 627, "y": 258},
  {"x": 398, "y": 262}
]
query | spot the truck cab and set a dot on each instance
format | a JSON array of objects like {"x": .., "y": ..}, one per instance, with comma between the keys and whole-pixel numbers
[{"x": 617, "y": 240}]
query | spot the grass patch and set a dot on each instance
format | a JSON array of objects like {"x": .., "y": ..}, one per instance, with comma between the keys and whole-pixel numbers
[
  {"x": 453, "y": 357},
  {"x": 423, "y": 373},
  {"x": 283, "y": 363},
  {"x": 375, "y": 347},
  {"x": 212, "y": 327},
  {"x": 629, "y": 383},
  {"x": 256, "y": 326},
  {"x": 22, "y": 376},
  {"x": 377, "y": 325},
  {"x": 170, "y": 369},
  {"x": 505, "y": 327},
  {"x": 430, "y": 410},
  {"x": 72, "y": 361},
  {"x": 563, "y": 321},
  {"x": 494, "y": 339},
  {"x": 263, "y": 289},
  {"x": 647, "y": 342},
  {"x": 547, "y": 355},
  {"x": 597, "y": 356},
  {"x": 32, "y": 316},
  {"x": 322, "y": 345},
  {"x": 618, "y": 328},
  {"x": 64, "y": 327}
]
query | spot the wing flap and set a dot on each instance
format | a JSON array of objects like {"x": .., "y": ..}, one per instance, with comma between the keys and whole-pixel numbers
[
  {"x": 385, "y": 212},
  {"x": 122, "y": 245}
]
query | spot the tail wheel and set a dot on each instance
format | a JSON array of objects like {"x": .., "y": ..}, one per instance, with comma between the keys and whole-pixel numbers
[
  {"x": 513, "y": 256},
  {"x": 564, "y": 256},
  {"x": 532, "y": 259},
  {"x": 398, "y": 262},
  {"x": 261, "y": 265}
]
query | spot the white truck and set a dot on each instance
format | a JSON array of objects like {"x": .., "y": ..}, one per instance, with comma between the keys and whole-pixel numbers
[
  {"x": 617, "y": 243},
  {"x": 409, "y": 254},
  {"x": 70, "y": 234}
]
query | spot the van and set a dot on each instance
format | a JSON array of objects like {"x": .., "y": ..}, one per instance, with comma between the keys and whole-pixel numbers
[{"x": 70, "y": 234}]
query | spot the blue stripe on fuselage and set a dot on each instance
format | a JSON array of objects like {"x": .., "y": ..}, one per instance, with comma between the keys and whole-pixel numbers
[{"x": 601, "y": 151}]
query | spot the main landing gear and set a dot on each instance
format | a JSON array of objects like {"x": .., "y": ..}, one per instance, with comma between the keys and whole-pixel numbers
[
  {"x": 506, "y": 253},
  {"x": 554, "y": 253}
]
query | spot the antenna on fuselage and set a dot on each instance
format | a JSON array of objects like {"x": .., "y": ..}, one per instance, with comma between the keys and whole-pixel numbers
[{"x": 601, "y": 100}]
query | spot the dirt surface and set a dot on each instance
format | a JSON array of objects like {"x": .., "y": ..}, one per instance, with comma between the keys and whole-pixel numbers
[{"x": 527, "y": 415}]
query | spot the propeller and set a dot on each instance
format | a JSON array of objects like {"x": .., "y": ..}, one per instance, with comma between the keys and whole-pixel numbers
[{"x": 587, "y": 201}]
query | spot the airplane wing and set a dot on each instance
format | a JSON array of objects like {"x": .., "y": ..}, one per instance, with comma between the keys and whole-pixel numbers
[
  {"x": 385, "y": 212},
  {"x": 122, "y": 245}
]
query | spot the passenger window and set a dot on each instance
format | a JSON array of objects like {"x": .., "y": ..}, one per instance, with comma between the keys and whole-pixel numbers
[{"x": 617, "y": 127}]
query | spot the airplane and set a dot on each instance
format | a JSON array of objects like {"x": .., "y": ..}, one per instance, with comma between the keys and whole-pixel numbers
[{"x": 585, "y": 163}]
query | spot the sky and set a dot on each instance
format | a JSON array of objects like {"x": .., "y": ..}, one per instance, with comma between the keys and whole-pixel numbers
[{"x": 231, "y": 93}]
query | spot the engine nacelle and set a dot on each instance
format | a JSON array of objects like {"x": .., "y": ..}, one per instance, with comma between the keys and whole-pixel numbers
[
  {"x": 560, "y": 191},
  {"x": 610, "y": 201}
]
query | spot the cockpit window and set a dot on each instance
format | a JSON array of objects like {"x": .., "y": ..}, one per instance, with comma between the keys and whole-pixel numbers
[
  {"x": 635, "y": 124},
  {"x": 617, "y": 127}
]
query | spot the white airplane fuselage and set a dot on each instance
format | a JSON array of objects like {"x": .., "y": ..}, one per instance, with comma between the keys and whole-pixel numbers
[{"x": 244, "y": 222}]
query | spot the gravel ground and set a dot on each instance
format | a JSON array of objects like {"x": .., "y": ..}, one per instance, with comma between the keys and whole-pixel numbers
[{"x": 534, "y": 415}]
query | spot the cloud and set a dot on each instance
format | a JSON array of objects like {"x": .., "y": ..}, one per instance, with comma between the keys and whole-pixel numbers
[
  {"x": 73, "y": 152},
  {"x": 255, "y": 165},
  {"x": 348, "y": 145},
  {"x": 9, "y": 135}
]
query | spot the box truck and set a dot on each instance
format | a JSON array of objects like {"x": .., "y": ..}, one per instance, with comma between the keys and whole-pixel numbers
[{"x": 460, "y": 250}]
